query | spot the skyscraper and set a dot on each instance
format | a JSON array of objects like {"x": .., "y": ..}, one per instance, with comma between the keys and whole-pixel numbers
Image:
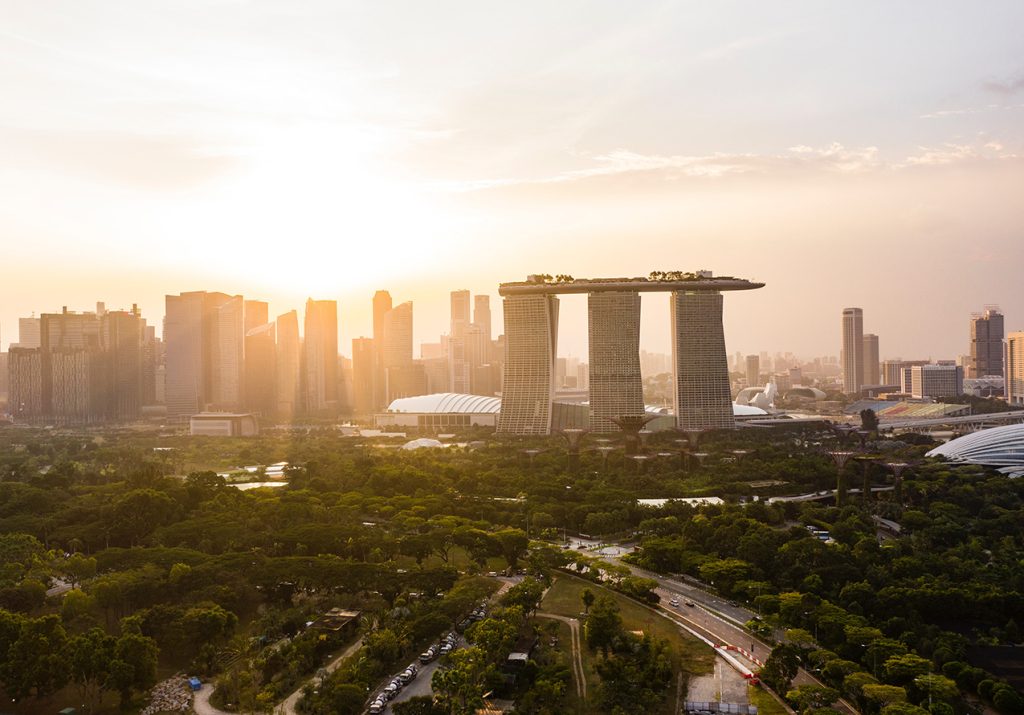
[
  {"x": 382, "y": 305},
  {"x": 29, "y": 332},
  {"x": 753, "y": 370},
  {"x": 482, "y": 315},
  {"x": 288, "y": 365},
  {"x": 121, "y": 338},
  {"x": 261, "y": 369},
  {"x": 869, "y": 358},
  {"x": 364, "y": 367},
  {"x": 702, "y": 397},
  {"x": 257, "y": 313},
  {"x": 458, "y": 364},
  {"x": 320, "y": 356},
  {"x": 227, "y": 351},
  {"x": 616, "y": 386},
  {"x": 403, "y": 378},
  {"x": 185, "y": 385},
  {"x": 1014, "y": 369},
  {"x": 531, "y": 332},
  {"x": 986, "y": 344},
  {"x": 853, "y": 350}
]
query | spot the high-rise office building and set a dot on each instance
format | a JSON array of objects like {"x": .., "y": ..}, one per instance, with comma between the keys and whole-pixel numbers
[
  {"x": 25, "y": 383},
  {"x": 869, "y": 358},
  {"x": 257, "y": 314},
  {"x": 396, "y": 340},
  {"x": 185, "y": 384},
  {"x": 986, "y": 344},
  {"x": 204, "y": 336},
  {"x": 616, "y": 386},
  {"x": 29, "y": 332},
  {"x": 753, "y": 370},
  {"x": 1014, "y": 384},
  {"x": 853, "y": 350},
  {"x": 227, "y": 351},
  {"x": 402, "y": 377},
  {"x": 364, "y": 368},
  {"x": 122, "y": 338},
  {"x": 458, "y": 363},
  {"x": 382, "y": 305},
  {"x": 288, "y": 365},
  {"x": 261, "y": 370},
  {"x": 702, "y": 396},
  {"x": 482, "y": 315},
  {"x": 320, "y": 357},
  {"x": 531, "y": 330}
]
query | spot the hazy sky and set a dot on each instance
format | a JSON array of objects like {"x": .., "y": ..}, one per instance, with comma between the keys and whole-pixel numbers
[{"x": 859, "y": 154}]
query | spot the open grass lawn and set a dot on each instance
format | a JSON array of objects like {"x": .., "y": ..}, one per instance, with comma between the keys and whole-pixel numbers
[
  {"x": 690, "y": 656},
  {"x": 766, "y": 704}
]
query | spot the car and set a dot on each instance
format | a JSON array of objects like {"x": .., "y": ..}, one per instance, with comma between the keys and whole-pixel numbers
[
  {"x": 691, "y": 604},
  {"x": 377, "y": 706},
  {"x": 446, "y": 649},
  {"x": 428, "y": 655},
  {"x": 674, "y": 602}
]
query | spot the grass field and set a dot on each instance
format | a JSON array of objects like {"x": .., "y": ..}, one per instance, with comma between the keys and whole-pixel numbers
[
  {"x": 690, "y": 656},
  {"x": 766, "y": 704}
]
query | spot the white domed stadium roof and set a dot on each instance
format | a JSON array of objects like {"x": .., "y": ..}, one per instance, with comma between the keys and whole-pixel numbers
[
  {"x": 447, "y": 403},
  {"x": 422, "y": 443},
  {"x": 994, "y": 447}
]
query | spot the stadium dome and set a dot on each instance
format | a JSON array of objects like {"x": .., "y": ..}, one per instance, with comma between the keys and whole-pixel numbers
[
  {"x": 447, "y": 403},
  {"x": 422, "y": 443},
  {"x": 995, "y": 447}
]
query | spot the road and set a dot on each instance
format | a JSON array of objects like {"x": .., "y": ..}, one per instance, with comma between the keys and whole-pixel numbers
[
  {"x": 578, "y": 673},
  {"x": 721, "y": 621},
  {"x": 421, "y": 685}
]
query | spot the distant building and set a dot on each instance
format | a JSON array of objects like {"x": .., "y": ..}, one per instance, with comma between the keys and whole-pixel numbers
[
  {"x": 288, "y": 365},
  {"x": 364, "y": 375},
  {"x": 752, "y": 367},
  {"x": 986, "y": 344},
  {"x": 261, "y": 369},
  {"x": 320, "y": 357},
  {"x": 853, "y": 357},
  {"x": 29, "y": 333},
  {"x": 936, "y": 381},
  {"x": 869, "y": 357},
  {"x": 1015, "y": 368},
  {"x": 223, "y": 424}
]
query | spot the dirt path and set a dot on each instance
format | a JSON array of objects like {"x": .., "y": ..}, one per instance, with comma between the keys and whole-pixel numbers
[{"x": 579, "y": 674}]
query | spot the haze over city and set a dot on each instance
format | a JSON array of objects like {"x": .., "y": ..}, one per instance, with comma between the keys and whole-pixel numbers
[{"x": 867, "y": 156}]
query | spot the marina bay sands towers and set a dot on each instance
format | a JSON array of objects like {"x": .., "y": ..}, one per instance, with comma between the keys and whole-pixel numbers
[{"x": 702, "y": 395}]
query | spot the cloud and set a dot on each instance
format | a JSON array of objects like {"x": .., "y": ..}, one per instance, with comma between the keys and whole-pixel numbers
[
  {"x": 832, "y": 159},
  {"x": 1006, "y": 87},
  {"x": 152, "y": 163}
]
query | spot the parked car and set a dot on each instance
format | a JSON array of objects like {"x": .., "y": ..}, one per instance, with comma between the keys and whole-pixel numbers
[
  {"x": 377, "y": 706},
  {"x": 428, "y": 655}
]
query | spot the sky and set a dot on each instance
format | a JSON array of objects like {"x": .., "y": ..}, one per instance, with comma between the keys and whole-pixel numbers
[{"x": 863, "y": 154}]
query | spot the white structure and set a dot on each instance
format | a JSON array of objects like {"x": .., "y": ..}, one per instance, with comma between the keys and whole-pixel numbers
[
  {"x": 761, "y": 397},
  {"x": 441, "y": 410},
  {"x": 1001, "y": 447}
]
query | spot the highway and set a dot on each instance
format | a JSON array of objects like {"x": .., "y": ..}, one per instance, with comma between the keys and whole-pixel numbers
[{"x": 720, "y": 621}]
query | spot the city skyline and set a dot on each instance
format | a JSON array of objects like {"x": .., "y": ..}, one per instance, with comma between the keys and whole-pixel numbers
[{"x": 148, "y": 171}]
